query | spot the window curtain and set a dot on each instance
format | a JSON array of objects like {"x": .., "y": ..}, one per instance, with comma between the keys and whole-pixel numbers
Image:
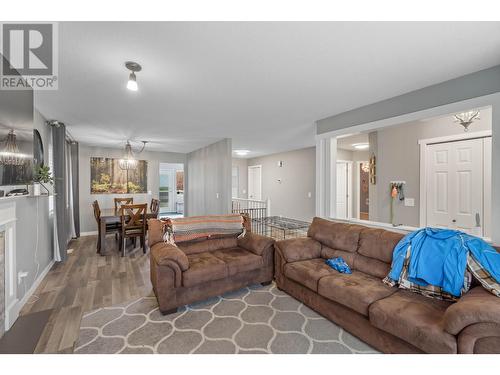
[
  {"x": 60, "y": 175},
  {"x": 65, "y": 171}
]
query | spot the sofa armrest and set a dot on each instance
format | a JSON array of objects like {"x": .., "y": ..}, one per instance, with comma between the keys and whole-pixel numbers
[
  {"x": 476, "y": 306},
  {"x": 155, "y": 231},
  {"x": 164, "y": 253},
  {"x": 255, "y": 243},
  {"x": 296, "y": 249}
]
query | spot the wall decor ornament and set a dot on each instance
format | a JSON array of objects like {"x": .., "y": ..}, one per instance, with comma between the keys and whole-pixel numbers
[{"x": 373, "y": 170}]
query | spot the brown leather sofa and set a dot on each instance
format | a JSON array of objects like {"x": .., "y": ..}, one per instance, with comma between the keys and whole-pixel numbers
[
  {"x": 192, "y": 271},
  {"x": 389, "y": 319}
]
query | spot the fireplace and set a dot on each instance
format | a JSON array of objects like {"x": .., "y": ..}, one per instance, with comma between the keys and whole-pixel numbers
[
  {"x": 9, "y": 309},
  {"x": 2, "y": 282}
]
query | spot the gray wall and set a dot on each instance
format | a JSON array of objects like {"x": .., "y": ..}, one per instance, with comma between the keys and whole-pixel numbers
[
  {"x": 298, "y": 177},
  {"x": 242, "y": 165},
  {"x": 473, "y": 85},
  {"x": 87, "y": 221},
  {"x": 208, "y": 180},
  {"x": 399, "y": 159},
  {"x": 34, "y": 237}
]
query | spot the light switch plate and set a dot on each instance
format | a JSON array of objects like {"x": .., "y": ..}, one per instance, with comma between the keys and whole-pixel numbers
[{"x": 409, "y": 202}]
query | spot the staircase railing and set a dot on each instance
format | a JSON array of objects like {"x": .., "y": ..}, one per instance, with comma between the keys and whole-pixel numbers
[{"x": 257, "y": 210}]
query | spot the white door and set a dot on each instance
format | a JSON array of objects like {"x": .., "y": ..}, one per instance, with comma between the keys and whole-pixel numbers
[
  {"x": 342, "y": 176},
  {"x": 255, "y": 182},
  {"x": 455, "y": 185}
]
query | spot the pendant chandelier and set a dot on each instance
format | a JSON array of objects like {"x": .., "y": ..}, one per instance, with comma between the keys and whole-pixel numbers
[
  {"x": 10, "y": 154},
  {"x": 129, "y": 162}
]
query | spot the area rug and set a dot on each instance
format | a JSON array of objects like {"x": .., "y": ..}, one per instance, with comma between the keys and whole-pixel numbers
[{"x": 256, "y": 319}]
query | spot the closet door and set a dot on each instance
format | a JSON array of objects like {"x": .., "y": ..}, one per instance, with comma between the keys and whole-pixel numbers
[{"x": 455, "y": 185}]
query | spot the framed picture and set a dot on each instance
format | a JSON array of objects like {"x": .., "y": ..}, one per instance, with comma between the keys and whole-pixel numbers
[{"x": 106, "y": 177}]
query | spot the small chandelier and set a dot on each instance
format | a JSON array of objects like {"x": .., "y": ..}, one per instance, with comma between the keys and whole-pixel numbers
[
  {"x": 467, "y": 118},
  {"x": 10, "y": 154},
  {"x": 129, "y": 162}
]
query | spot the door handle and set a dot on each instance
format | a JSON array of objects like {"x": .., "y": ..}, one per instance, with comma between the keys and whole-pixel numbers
[
  {"x": 454, "y": 221},
  {"x": 478, "y": 220}
]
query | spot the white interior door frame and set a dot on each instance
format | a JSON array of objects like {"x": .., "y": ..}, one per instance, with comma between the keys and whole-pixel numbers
[
  {"x": 250, "y": 181},
  {"x": 423, "y": 143},
  {"x": 349, "y": 186}
]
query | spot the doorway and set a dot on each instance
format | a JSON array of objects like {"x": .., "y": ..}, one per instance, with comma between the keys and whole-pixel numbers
[
  {"x": 255, "y": 182},
  {"x": 171, "y": 190},
  {"x": 363, "y": 188},
  {"x": 457, "y": 185},
  {"x": 344, "y": 189}
]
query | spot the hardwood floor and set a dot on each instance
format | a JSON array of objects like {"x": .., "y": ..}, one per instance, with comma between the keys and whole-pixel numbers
[
  {"x": 85, "y": 282},
  {"x": 88, "y": 281}
]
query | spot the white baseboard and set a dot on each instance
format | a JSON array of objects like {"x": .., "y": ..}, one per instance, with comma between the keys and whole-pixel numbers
[
  {"x": 93, "y": 233},
  {"x": 13, "y": 311}
]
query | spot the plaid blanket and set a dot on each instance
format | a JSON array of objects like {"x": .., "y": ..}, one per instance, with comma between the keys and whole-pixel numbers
[
  {"x": 483, "y": 276},
  {"x": 199, "y": 227},
  {"x": 427, "y": 290}
]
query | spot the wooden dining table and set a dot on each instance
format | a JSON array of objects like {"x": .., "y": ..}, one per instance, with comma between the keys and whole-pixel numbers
[{"x": 112, "y": 216}]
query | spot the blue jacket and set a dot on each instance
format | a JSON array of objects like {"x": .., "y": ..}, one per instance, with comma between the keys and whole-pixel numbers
[{"x": 439, "y": 257}]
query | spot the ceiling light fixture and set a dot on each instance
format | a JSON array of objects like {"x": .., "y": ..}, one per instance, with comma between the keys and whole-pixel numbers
[
  {"x": 361, "y": 146},
  {"x": 132, "y": 79},
  {"x": 10, "y": 154},
  {"x": 241, "y": 152},
  {"x": 467, "y": 118},
  {"x": 129, "y": 162}
]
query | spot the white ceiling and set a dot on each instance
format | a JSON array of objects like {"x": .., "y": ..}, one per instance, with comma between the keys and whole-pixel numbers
[
  {"x": 346, "y": 143},
  {"x": 262, "y": 84}
]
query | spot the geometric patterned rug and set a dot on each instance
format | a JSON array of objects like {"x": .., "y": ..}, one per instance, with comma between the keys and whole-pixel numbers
[{"x": 255, "y": 319}]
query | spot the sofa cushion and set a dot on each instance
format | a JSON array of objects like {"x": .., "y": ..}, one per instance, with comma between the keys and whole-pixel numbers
[
  {"x": 203, "y": 267},
  {"x": 356, "y": 291},
  {"x": 378, "y": 243},
  {"x": 239, "y": 260},
  {"x": 308, "y": 272},
  {"x": 371, "y": 266},
  {"x": 415, "y": 319},
  {"x": 203, "y": 245},
  {"x": 336, "y": 235}
]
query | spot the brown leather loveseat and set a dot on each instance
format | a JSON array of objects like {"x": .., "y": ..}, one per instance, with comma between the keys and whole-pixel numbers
[
  {"x": 193, "y": 271},
  {"x": 389, "y": 319}
]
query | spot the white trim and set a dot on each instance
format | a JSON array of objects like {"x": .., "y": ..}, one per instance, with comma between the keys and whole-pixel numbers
[
  {"x": 376, "y": 224},
  {"x": 349, "y": 186},
  {"x": 456, "y": 137},
  {"x": 16, "y": 308},
  {"x": 479, "y": 102},
  {"x": 423, "y": 164},
  {"x": 91, "y": 233}
]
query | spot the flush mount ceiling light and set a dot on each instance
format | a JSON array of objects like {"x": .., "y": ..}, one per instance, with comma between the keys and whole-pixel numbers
[
  {"x": 10, "y": 154},
  {"x": 360, "y": 146},
  {"x": 132, "y": 79},
  {"x": 242, "y": 152},
  {"x": 129, "y": 162},
  {"x": 466, "y": 118}
]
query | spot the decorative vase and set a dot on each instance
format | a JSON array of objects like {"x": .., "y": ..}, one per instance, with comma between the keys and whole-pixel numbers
[{"x": 36, "y": 188}]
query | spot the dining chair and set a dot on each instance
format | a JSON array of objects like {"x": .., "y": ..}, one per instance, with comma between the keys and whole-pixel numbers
[
  {"x": 155, "y": 207},
  {"x": 120, "y": 201},
  {"x": 110, "y": 228},
  {"x": 133, "y": 224}
]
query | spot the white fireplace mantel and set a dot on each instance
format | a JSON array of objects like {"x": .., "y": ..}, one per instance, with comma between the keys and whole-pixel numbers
[{"x": 8, "y": 224}]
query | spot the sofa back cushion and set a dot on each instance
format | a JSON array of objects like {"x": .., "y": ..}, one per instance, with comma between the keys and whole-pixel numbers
[
  {"x": 201, "y": 246},
  {"x": 378, "y": 243},
  {"x": 338, "y": 236}
]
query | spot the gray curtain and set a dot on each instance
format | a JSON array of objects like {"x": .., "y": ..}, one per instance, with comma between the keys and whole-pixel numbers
[
  {"x": 75, "y": 183},
  {"x": 59, "y": 171}
]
